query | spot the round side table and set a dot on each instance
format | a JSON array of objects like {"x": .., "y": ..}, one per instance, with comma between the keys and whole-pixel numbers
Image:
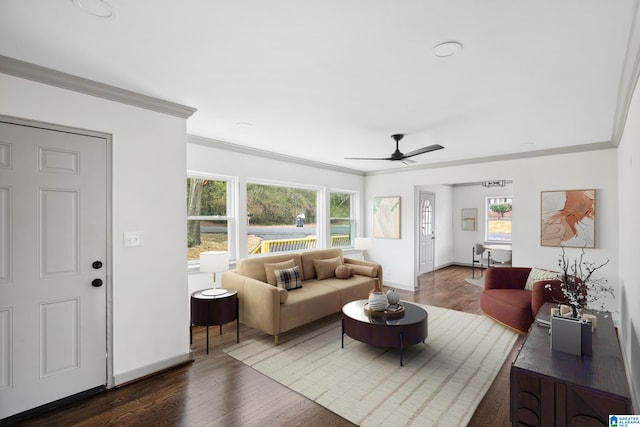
[{"x": 214, "y": 310}]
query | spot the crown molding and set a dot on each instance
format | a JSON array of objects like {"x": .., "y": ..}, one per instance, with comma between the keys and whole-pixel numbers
[
  {"x": 629, "y": 78},
  {"x": 605, "y": 145},
  {"x": 201, "y": 140},
  {"x": 62, "y": 80}
]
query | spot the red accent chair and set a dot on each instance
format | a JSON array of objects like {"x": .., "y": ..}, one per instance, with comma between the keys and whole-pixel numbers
[{"x": 505, "y": 300}]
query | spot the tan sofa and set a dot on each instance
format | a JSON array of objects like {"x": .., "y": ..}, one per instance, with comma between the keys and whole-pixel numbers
[{"x": 274, "y": 310}]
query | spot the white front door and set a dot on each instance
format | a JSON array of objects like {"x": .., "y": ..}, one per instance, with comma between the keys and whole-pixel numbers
[
  {"x": 53, "y": 229},
  {"x": 427, "y": 238}
]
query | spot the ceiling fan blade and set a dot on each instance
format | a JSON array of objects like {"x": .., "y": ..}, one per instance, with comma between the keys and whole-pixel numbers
[
  {"x": 424, "y": 150},
  {"x": 408, "y": 161},
  {"x": 367, "y": 158}
]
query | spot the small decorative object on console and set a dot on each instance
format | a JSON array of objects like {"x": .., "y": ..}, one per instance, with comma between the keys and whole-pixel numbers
[{"x": 571, "y": 335}]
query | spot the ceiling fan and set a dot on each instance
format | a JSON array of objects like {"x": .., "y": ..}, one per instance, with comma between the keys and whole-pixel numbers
[{"x": 398, "y": 155}]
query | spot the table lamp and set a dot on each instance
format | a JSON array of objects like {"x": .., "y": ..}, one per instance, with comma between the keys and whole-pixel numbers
[
  {"x": 364, "y": 244},
  {"x": 213, "y": 262}
]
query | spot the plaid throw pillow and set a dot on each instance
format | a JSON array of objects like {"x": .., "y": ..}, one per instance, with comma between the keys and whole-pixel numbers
[{"x": 288, "y": 278}]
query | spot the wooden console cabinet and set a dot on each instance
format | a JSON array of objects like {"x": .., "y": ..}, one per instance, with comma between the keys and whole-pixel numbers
[{"x": 551, "y": 388}]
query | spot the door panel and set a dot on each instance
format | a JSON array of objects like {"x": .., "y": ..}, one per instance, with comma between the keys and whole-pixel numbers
[
  {"x": 53, "y": 224},
  {"x": 59, "y": 232}
]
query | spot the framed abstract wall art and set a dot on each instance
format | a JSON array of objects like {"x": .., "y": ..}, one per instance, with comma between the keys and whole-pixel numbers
[
  {"x": 568, "y": 218},
  {"x": 469, "y": 219},
  {"x": 386, "y": 217}
]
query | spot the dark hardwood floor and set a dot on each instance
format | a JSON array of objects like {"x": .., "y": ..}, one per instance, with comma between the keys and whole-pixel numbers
[{"x": 217, "y": 390}]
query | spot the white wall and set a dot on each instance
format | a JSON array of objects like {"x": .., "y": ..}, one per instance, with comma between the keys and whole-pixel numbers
[
  {"x": 473, "y": 196},
  {"x": 629, "y": 231},
  {"x": 149, "y": 327},
  {"x": 530, "y": 177}
]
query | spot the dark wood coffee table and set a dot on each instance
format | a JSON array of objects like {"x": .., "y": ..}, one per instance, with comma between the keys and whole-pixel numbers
[{"x": 385, "y": 331}]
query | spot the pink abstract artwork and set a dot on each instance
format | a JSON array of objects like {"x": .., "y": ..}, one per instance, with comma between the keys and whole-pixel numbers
[{"x": 568, "y": 218}]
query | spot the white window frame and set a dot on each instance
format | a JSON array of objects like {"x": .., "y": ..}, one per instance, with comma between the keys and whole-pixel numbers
[
  {"x": 486, "y": 222},
  {"x": 353, "y": 209},
  {"x": 230, "y": 217}
]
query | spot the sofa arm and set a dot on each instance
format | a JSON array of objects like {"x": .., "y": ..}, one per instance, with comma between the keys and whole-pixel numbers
[
  {"x": 506, "y": 277},
  {"x": 540, "y": 294},
  {"x": 376, "y": 266},
  {"x": 259, "y": 301}
]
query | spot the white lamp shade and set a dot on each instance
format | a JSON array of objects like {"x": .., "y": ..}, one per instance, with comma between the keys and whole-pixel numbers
[
  {"x": 363, "y": 243},
  {"x": 214, "y": 261}
]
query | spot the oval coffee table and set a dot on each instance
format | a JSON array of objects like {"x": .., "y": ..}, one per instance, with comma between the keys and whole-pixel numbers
[{"x": 384, "y": 331}]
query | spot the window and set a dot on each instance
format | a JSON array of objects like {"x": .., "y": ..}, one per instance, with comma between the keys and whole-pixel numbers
[
  {"x": 341, "y": 219},
  {"x": 499, "y": 213},
  {"x": 281, "y": 218},
  {"x": 208, "y": 215}
]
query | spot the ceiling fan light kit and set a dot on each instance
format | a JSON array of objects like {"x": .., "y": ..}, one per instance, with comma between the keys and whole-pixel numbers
[
  {"x": 494, "y": 183},
  {"x": 398, "y": 156}
]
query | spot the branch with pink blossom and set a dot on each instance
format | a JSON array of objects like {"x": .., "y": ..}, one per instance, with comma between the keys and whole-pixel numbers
[{"x": 579, "y": 285}]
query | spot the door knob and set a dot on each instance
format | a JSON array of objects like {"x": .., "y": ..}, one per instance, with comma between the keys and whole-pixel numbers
[
  {"x": 97, "y": 265},
  {"x": 96, "y": 283}
]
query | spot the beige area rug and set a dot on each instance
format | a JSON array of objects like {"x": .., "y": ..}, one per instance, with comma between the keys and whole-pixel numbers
[
  {"x": 478, "y": 281},
  {"x": 441, "y": 383}
]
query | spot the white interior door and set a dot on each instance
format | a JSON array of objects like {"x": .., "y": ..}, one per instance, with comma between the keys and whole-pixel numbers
[
  {"x": 427, "y": 238},
  {"x": 53, "y": 226}
]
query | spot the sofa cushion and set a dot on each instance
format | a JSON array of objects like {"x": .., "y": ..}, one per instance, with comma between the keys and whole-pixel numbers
[
  {"x": 254, "y": 267},
  {"x": 343, "y": 271},
  {"x": 270, "y": 267},
  {"x": 310, "y": 303},
  {"x": 306, "y": 260},
  {"x": 326, "y": 268},
  {"x": 357, "y": 287},
  {"x": 364, "y": 270},
  {"x": 288, "y": 278},
  {"x": 511, "y": 307},
  {"x": 539, "y": 274}
]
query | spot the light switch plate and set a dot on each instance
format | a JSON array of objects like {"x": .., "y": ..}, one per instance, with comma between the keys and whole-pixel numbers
[{"x": 132, "y": 239}]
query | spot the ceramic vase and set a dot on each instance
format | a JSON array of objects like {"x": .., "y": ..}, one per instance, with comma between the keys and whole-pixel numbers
[
  {"x": 378, "y": 301},
  {"x": 376, "y": 286},
  {"x": 393, "y": 296}
]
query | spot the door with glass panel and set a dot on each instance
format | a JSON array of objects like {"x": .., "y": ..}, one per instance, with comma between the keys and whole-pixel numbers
[{"x": 427, "y": 234}]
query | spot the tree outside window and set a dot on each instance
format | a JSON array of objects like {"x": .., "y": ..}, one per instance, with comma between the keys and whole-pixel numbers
[
  {"x": 281, "y": 218},
  {"x": 499, "y": 215},
  {"x": 342, "y": 221},
  {"x": 207, "y": 218}
]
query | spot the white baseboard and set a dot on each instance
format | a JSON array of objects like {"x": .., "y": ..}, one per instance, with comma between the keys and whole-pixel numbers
[
  {"x": 398, "y": 286},
  {"x": 144, "y": 371}
]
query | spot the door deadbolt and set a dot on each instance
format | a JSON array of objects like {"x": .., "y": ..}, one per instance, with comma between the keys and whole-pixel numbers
[{"x": 97, "y": 265}]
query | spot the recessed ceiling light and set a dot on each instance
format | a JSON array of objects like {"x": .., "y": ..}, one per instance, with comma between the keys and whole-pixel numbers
[
  {"x": 445, "y": 49},
  {"x": 243, "y": 125},
  {"x": 99, "y": 8}
]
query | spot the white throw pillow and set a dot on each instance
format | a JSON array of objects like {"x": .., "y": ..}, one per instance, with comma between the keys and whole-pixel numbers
[{"x": 539, "y": 274}]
